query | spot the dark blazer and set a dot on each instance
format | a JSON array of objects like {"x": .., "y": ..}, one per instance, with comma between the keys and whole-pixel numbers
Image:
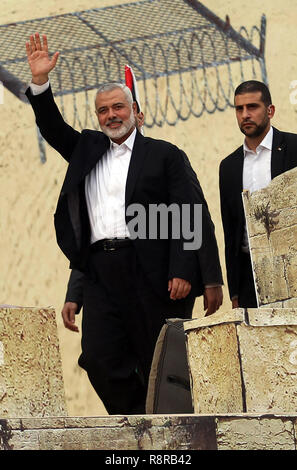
[
  {"x": 283, "y": 158},
  {"x": 157, "y": 174},
  {"x": 208, "y": 263}
]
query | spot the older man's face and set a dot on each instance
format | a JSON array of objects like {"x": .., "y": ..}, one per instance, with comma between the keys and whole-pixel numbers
[{"x": 116, "y": 116}]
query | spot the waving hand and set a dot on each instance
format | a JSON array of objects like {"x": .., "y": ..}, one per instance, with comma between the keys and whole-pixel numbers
[{"x": 38, "y": 58}]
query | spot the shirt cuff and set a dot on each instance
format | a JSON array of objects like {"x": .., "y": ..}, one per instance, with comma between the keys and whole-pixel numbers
[
  {"x": 38, "y": 89},
  {"x": 208, "y": 286}
]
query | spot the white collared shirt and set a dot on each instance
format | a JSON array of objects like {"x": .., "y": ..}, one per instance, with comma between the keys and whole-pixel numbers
[
  {"x": 105, "y": 188},
  {"x": 256, "y": 170}
]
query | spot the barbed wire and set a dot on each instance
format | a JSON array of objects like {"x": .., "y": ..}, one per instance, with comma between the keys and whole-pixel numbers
[
  {"x": 173, "y": 84},
  {"x": 187, "y": 61}
]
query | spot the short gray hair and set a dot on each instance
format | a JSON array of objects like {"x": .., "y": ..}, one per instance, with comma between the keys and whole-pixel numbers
[{"x": 111, "y": 86}]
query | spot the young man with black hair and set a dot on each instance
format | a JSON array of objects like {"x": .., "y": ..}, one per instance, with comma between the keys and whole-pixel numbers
[{"x": 265, "y": 154}]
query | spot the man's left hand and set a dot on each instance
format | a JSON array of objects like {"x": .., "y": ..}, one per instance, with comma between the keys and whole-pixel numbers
[
  {"x": 68, "y": 315},
  {"x": 178, "y": 288},
  {"x": 213, "y": 299}
]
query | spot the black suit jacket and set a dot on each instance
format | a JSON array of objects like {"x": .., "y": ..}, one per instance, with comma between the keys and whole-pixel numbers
[
  {"x": 208, "y": 264},
  {"x": 157, "y": 174},
  {"x": 283, "y": 158}
]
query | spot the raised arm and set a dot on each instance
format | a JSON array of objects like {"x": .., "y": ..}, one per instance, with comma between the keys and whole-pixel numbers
[
  {"x": 38, "y": 58},
  {"x": 52, "y": 126}
]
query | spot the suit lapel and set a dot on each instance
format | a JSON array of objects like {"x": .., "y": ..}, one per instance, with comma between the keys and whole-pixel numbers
[
  {"x": 236, "y": 182},
  {"x": 138, "y": 156},
  {"x": 277, "y": 154},
  {"x": 277, "y": 158},
  {"x": 82, "y": 163},
  {"x": 84, "y": 159}
]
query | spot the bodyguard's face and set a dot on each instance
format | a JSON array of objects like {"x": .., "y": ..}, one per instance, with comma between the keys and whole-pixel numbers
[
  {"x": 115, "y": 114},
  {"x": 253, "y": 116}
]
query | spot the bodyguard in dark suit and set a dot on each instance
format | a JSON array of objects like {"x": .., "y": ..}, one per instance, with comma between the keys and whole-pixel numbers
[
  {"x": 265, "y": 154},
  {"x": 131, "y": 285}
]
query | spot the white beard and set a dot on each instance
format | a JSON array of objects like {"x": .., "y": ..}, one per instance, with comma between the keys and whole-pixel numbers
[{"x": 122, "y": 130}]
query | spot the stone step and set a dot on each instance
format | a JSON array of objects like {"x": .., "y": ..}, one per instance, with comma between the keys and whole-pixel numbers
[{"x": 151, "y": 432}]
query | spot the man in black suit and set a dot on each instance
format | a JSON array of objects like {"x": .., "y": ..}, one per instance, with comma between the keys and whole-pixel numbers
[
  {"x": 131, "y": 284},
  {"x": 265, "y": 154},
  {"x": 208, "y": 265}
]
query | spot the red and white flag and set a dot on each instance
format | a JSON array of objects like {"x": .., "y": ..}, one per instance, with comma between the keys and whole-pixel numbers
[{"x": 130, "y": 81}]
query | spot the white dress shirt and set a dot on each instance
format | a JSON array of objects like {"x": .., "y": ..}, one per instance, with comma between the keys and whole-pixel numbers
[
  {"x": 256, "y": 171},
  {"x": 38, "y": 89},
  {"x": 105, "y": 187}
]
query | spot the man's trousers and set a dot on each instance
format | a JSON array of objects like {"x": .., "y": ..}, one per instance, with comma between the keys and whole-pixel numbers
[{"x": 122, "y": 318}]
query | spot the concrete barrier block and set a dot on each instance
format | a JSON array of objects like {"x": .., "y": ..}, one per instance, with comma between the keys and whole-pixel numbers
[
  {"x": 31, "y": 380},
  {"x": 271, "y": 219},
  {"x": 245, "y": 365}
]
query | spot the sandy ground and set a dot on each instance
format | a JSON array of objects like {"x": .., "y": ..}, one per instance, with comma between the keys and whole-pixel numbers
[{"x": 33, "y": 270}]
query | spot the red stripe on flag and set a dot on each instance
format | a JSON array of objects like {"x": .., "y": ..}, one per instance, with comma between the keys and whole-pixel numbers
[{"x": 129, "y": 78}]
